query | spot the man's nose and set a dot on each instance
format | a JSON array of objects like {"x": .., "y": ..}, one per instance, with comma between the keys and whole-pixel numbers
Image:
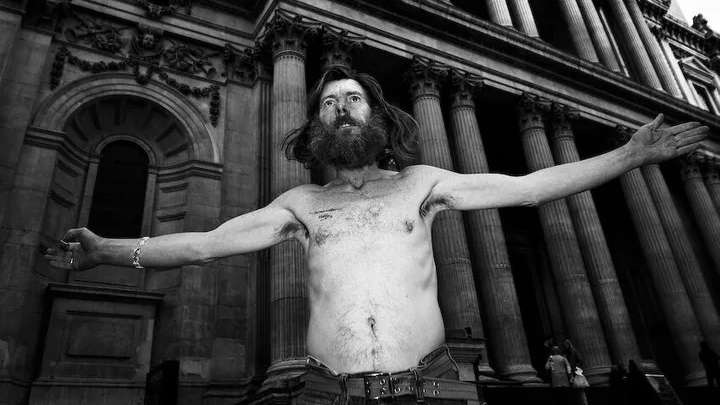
[{"x": 340, "y": 108}]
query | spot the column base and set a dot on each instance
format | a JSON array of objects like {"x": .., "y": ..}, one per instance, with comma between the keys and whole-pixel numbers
[
  {"x": 597, "y": 376},
  {"x": 523, "y": 374}
]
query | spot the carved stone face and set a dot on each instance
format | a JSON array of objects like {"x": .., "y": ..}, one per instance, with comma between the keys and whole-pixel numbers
[{"x": 148, "y": 41}]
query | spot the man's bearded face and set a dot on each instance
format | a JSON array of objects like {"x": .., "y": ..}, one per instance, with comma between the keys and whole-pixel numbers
[{"x": 348, "y": 143}]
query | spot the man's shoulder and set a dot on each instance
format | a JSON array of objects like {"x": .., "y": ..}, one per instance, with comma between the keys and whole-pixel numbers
[{"x": 423, "y": 171}]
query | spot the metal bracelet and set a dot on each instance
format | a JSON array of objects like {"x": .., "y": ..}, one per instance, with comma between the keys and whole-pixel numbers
[{"x": 136, "y": 253}]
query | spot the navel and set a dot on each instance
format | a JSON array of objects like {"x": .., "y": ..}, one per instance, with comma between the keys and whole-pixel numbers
[{"x": 409, "y": 225}]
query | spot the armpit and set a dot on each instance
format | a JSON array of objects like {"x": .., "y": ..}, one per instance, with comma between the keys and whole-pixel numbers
[
  {"x": 294, "y": 229},
  {"x": 434, "y": 204}
]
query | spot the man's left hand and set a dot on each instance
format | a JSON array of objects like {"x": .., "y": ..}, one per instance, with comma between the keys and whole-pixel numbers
[{"x": 654, "y": 144}]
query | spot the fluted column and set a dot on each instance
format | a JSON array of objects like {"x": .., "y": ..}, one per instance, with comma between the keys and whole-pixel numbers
[
  {"x": 674, "y": 299},
  {"x": 456, "y": 292},
  {"x": 653, "y": 48},
  {"x": 566, "y": 260},
  {"x": 523, "y": 17},
  {"x": 603, "y": 46},
  {"x": 600, "y": 269},
  {"x": 508, "y": 347},
  {"x": 636, "y": 50},
  {"x": 679, "y": 76},
  {"x": 579, "y": 34},
  {"x": 703, "y": 209},
  {"x": 288, "y": 300},
  {"x": 499, "y": 12},
  {"x": 711, "y": 176},
  {"x": 687, "y": 263}
]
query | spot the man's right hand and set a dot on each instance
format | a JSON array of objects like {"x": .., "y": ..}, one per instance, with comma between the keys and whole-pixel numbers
[{"x": 80, "y": 252}]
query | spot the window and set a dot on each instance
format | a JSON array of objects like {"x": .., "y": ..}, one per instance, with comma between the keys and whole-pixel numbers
[{"x": 119, "y": 196}]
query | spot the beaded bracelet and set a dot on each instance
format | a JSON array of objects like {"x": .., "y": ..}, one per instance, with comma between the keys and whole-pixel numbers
[{"x": 136, "y": 253}]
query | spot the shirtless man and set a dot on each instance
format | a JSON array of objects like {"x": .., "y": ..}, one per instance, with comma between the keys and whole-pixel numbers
[{"x": 371, "y": 282}]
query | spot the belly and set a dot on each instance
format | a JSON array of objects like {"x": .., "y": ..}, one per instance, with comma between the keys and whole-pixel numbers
[{"x": 373, "y": 312}]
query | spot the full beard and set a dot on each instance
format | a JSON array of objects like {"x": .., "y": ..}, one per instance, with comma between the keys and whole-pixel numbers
[{"x": 347, "y": 148}]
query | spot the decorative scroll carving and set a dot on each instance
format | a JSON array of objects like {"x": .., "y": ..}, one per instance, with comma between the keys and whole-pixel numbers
[
  {"x": 191, "y": 59},
  {"x": 338, "y": 47},
  {"x": 690, "y": 165},
  {"x": 98, "y": 34},
  {"x": 562, "y": 116},
  {"x": 531, "y": 110}
]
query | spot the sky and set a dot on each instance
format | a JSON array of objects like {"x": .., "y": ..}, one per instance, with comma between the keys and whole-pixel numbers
[{"x": 710, "y": 9}]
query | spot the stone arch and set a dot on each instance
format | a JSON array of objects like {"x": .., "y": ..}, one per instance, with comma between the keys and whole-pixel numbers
[{"x": 55, "y": 111}]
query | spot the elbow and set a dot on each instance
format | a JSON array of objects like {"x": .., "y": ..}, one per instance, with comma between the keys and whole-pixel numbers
[{"x": 532, "y": 199}]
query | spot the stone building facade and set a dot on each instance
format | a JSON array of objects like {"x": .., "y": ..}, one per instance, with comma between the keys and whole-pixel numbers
[{"x": 148, "y": 117}]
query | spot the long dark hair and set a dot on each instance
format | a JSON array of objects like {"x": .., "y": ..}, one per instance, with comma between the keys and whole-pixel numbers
[{"x": 402, "y": 128}]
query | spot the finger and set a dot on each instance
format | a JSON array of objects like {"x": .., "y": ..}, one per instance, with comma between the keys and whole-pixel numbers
[
  {"x": 73, "y": 235},
  {"x": 691, "y": 139},
  {"x": 677, "y": 129},
  {"x": 658, "y": 121},
  {"x": 688, "y": 148}
]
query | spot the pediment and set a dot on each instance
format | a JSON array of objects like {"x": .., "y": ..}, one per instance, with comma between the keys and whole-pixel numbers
[{"x": 697, "y": 70}]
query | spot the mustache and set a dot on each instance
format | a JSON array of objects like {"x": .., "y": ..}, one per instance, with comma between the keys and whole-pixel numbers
[{"x": 345, "y": 119}]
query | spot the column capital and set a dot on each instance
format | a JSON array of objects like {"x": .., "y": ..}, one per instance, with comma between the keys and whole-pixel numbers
[
  {"x": 338, "y": 47},
  {"x": 622, "y": 136},
  {"x": 425, "y": 77},
  {"x": 659, "y": 31},
  {"x": 561, "y": 118},
  {"x": 287, "y": 33},
  {"x": 530, "y": 109},
  {"x": 690, "y": 165},
  {"x": 240, "y": 64},
  {"x": 464, "y": 85}
]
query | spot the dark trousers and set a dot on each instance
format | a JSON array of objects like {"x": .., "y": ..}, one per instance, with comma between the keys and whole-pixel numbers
[{"x": 323, "y": 386}]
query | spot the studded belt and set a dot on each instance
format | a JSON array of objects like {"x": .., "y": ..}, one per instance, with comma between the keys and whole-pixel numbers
[{"x": 373, "y": 386}]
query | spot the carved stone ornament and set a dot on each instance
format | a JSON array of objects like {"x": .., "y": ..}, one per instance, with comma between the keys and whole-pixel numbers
[
  {"x": 156, "y": 9},
  {"x": 622, "y": 136},
  {"x": 691, "y": 163},
  {"x": 464, "y": 86},
  {"x": 338, "y": 47},
  {"x": 147, "y": 44},
  {"x": 288, "y": 33},
  {"x": 700, "y": 23},
  {"x": 426, "y": 77},
  {"x": 240, "y": 65},
  {"x": 562, "y": 116},
  {"x": 191, "y": 59},
  {"x": 98, "y": 34}
]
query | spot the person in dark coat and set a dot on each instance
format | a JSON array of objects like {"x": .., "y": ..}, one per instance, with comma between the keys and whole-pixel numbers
[
  {"x": 572, "y": 355},
  {"x": 560, "y": 378},
  {"x": 709, "y": 360}
]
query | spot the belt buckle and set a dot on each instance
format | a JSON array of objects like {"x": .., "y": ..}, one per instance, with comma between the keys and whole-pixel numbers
[{"x": 386, "y": 385}]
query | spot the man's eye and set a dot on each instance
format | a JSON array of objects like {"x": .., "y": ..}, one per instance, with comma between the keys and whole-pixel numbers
[
  {"x": 328, "y": 103},
  {"x": 354, "y": 99}
]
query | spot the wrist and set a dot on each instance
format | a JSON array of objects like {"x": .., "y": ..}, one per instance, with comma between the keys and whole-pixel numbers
[{"x": 632, "y": 154}]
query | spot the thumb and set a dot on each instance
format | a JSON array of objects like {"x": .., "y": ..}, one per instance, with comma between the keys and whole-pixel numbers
[
  {"x": 658, "y": 121},
  {"x": 73, "y": 235}
]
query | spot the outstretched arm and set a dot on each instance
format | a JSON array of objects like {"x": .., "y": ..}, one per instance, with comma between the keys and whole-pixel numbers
[
  {"x": 243, "y": 234},
  {"x": 650, "y": 144}
]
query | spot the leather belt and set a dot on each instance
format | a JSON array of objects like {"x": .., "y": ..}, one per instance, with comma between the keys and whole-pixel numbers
[{"x": 375, "y": 386}]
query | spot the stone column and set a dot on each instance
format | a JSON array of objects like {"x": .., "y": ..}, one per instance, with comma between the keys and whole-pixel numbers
[
  {"x": 508, "y": 347},
  {"x": 523, "y": 17},
  {"x": 338, "y": 50},
  {"x": 636, "y": 50},
  {"x": 603, "y": 46},
  {"x": 601, "y": 271},
  {"x": 687, "y": 263},
  {"x": 653, "y": 48},
  {"x": 674, "y": 299},
  {"x": 706, "y": 216},
  {"x": 579, "y": 33},
  {"x": 456, "y": 292},
  {"x": 499, "y": 12},
  {"x": 566, "y": 260},
  {"x": 711, "y": 176},
  {"x": 288, "y": 300}
]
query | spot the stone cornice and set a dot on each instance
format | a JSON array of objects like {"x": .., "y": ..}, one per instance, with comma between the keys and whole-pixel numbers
[
  {"x": 192, "y": 168},
  {"x": 95, "y": 293}
]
